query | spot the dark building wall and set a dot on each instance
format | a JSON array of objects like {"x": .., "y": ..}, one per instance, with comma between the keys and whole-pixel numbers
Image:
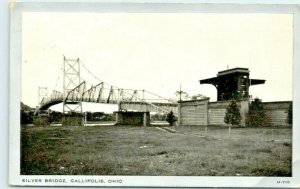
[{"x": 233, "y": 86}]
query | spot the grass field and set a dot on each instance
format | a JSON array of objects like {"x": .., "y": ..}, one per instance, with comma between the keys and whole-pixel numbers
[{"x": 120, "y": 150}]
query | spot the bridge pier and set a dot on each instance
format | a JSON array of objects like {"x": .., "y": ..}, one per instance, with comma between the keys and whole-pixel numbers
[
  {"x": 73, "y": 120},
  {"x": 132, "y": 118},
  {"x": 117, "y": 117},
  {"x": 145, "y": 119}
]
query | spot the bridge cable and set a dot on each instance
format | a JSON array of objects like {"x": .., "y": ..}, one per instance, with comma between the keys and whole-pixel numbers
[
  {"x": 97, "y": 77},
  {"x": 61, "y": 69},
  {"x": 119, "y": 87},
  {"x": 115, "y": 87}
]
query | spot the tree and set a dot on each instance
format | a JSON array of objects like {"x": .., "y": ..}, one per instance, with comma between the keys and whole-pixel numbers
[
  {"x": 181, "y": 94},
  {"x": 198, "y": 96},
  {"x": 55, "y": 116},
  {"x": 171, "y": 118},
  {"x": 232, "y": 115},
  {"x": 257, "y": 116}
]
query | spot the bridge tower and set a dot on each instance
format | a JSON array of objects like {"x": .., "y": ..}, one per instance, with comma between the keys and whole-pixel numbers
[
  {"x": 42, "y": 93},
  {"x": 71, "y": 80}
]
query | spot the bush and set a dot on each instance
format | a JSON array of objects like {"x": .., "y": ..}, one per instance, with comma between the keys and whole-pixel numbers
[
  {"x": 72, "y": 121},
  {"x": 41, "y": 120},
  {"x": 55, "y": 117},
  {"x": 171, "y": 118},
  {"x": 232, "y": 115},
  {"x": 26, "y": 117},
  {"x": 257, "y": 116}
]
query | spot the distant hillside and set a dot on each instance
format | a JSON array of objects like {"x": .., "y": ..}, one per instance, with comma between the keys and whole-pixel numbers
[{"x": 25, "y": 107}]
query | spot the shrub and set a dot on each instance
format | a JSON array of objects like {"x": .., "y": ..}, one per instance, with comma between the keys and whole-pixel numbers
[
  {"x": 72, "y": 121},
  {"x": 26, "y": 117},
  {"x": 232, "y": 115},
  {"x": 55, "y": 116},
  {"x": 257, "y": 116},
  {"x": 171, "y": 118},
  {"x": 40, "y": 121}
]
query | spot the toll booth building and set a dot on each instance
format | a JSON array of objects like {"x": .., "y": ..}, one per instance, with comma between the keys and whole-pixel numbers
[{"x": 232, "y": 84}]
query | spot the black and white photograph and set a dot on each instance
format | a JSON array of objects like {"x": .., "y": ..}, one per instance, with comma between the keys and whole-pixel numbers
[{"x": 155, "y": 95}]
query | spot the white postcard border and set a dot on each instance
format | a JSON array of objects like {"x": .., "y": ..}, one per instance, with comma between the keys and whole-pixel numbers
[{"x": 16, "y": 10}]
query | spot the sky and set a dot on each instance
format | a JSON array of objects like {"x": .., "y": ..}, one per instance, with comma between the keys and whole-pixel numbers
[{"x": 158, "y": 52}]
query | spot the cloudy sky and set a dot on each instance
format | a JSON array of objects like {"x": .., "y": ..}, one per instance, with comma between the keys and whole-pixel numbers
[{"x": 158, "y": 51}]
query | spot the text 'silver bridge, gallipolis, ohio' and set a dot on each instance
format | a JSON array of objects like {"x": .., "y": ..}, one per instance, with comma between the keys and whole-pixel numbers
[{"x": 76, "y": 90}]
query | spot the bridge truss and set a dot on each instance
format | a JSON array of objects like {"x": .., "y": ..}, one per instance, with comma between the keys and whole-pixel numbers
[{"x": 76, "y": 90}]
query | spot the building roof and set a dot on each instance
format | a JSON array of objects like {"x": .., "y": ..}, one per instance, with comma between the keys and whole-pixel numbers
[
  {"x": 233, "y": 70},
  {"x": 215, "y": 80},
  {"x": 212, "y": 80},
  {"x": 257, "y": 81}
]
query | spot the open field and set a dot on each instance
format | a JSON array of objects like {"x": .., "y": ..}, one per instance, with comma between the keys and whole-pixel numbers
[{"x": 120, "y": 150}]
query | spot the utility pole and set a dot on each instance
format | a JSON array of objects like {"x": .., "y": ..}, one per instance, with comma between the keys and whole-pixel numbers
[{"x": 180, "y": 92}]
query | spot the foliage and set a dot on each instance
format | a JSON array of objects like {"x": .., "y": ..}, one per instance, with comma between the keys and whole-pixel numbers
[
  {"x": 99, "y": 116},
  {"x": 232, "y": 115},
  {"x": 40, "y": 120},
  {"x": 185, "y": 96},
  {"x": 237, "y": 95},
  {"x": 198, "y": 96},
  {"x": 159, "y": 117},
  {"x": 55, "y": 116},
  {"x": 257, "y": 116},
  {"x": 26, "y": 117},
  {"x": 25, "y": 107},
  {"x": 72, "y": 120},
  {"x": 131, "y": 118},
  {"x": 94, "y": 116},
  {"x": 182, "y": 95},
  {"x": 26, "y": 114},
  {"x": 131, "y": 121},
  {"x": 171, "y": 118},
  {"x": 290, "y": 114}
]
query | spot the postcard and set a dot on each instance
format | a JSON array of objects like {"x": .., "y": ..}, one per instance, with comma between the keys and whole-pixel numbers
[{"x": 154, "y": 94}]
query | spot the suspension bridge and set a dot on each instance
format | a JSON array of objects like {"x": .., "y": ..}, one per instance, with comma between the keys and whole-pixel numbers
[{"x": 77, "y": 90}]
